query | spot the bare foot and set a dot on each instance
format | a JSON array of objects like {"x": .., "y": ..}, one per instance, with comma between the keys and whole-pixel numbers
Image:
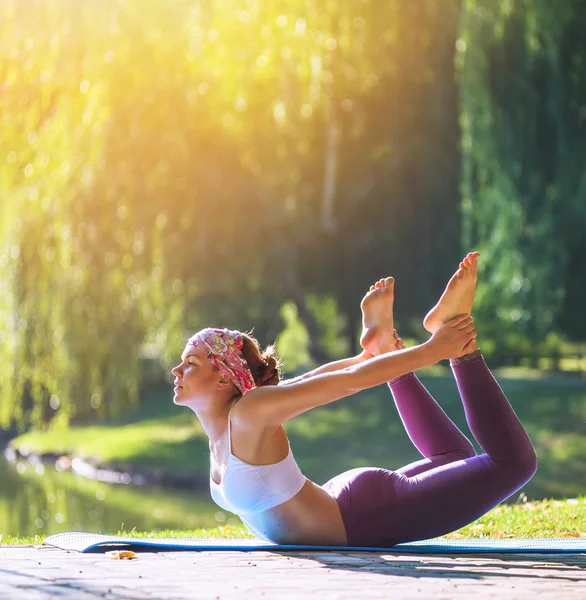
[
  {"x": 399, "y": 345},
  {"x": 470, "y": 347},
  {"x": 458, "y": 296},
  {"x": 378, "y": 334}
]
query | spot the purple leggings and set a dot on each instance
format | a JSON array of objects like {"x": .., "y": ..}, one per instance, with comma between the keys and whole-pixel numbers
[{"x": 451, "y": 486}]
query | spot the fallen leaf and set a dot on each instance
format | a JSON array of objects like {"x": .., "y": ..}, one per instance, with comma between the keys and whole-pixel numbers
[{"x": 121, "y": 554}]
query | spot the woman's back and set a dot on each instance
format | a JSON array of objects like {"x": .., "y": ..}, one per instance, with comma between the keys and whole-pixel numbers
[
  {"x": 249, "y": 489},
  {"x": 273, "y": 499}
]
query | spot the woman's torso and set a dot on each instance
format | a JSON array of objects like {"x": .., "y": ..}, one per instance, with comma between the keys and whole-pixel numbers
[{"x": 311, "y": 516}]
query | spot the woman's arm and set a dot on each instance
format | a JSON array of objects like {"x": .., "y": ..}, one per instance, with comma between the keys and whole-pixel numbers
[
  {"x": 337, "y": 365},
  {"x": 273, "y": 405}
]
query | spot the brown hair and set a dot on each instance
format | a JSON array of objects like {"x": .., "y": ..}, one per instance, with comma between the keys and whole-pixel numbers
[{"x": 265, "y": 366}]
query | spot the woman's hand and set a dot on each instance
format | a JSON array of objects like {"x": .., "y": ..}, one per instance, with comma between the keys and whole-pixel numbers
[
  {"x": 365, "y": 355},
  {"x": 452, "y": 337}
]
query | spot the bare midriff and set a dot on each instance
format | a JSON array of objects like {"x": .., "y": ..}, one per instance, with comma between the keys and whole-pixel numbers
[{"x": 312, "y": 516}]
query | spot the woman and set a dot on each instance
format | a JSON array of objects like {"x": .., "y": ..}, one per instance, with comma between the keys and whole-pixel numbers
[{"x": 236, "y": 393}]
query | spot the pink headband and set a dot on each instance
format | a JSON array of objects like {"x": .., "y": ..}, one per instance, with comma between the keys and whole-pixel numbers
[{"x": 223, "y": 348}]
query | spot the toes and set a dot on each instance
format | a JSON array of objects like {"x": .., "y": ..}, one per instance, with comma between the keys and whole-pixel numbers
[
  {"x": 471, "y": 259},
  {"x": 388, "y": 282},
  {"x": 469, "y": 263}
]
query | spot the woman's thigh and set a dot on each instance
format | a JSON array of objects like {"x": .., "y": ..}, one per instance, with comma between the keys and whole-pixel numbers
[
  {"x": 426, "y": 464},
  {"x": 382, "y": 508}
]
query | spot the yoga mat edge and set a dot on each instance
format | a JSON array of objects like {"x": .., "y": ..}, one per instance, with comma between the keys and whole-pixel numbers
[{"x": 86, "y": 542}]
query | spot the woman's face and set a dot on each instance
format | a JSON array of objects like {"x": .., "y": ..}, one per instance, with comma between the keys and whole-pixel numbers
[{"x": 195, "y": 376}]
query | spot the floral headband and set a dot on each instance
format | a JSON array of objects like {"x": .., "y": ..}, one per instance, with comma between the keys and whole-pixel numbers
[{"x": 223, "y": 348}]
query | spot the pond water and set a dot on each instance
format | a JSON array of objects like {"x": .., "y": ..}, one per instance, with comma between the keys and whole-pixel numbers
[{"x": 39, "y": 499}]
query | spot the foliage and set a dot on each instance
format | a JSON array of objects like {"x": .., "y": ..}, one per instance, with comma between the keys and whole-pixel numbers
[
  {"x": 549, "y": 518},
  {"x": 545, "y": 519},
  {"x": 165, "y": 166},
  {"x": 523, "y": 141},
  {"x": 356, "y": 432},
  {"x": 293, "y": 341}
]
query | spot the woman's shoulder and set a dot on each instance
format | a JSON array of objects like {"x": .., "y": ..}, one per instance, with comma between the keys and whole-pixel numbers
[
  {"x": 251, "y": 435},
  {"x": 247, "y": 412}
]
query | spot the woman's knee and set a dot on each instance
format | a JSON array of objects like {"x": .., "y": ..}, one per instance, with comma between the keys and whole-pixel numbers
[
  {"x": 527, "y": 464},
  {"x": 467, "y": 451},
  {"x": 521, "y": 467}
]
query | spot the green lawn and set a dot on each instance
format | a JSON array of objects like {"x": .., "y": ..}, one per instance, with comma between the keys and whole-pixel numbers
[
  {"x": 358, "y": 431},
  {"x": 549, "y": 518}
]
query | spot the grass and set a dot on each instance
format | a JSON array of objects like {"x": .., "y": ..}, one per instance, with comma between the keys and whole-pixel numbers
[
  {"x": 155, "y": 433},
  {"x": 542, "y": 519},
  {"x": 171, "y": 441},
  {"x": 359, "y": 431}
]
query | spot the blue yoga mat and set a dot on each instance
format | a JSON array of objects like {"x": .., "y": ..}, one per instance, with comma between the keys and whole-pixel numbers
[{"x": 85, "y": 542}]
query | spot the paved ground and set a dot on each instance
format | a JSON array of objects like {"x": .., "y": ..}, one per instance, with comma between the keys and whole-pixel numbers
[{"x": 35, "y": 573}]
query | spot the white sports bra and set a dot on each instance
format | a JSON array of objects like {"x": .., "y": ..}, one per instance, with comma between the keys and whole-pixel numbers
[{"x": 247, "y": 489}]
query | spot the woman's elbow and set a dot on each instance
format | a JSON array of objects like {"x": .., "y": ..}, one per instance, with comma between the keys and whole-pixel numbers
[{"x": 354, "y": 381}]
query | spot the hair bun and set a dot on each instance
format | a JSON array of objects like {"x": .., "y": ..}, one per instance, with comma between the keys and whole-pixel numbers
[
  {"x": 271, "y": 374},
  {"x": 264, "y": 366}
]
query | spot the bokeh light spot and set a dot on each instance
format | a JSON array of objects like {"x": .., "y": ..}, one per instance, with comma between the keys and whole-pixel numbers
[
  {"x": 347, "y": 105},
  {"x": 300, "y": 27},
  {"x": 306, "y": 111},
  {"x": 331, "y": 44}
]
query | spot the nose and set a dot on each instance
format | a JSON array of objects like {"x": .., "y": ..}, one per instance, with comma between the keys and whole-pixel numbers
[{"x": 175, "y": 371}]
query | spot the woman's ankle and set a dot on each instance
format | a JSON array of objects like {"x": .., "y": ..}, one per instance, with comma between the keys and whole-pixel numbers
[
  {"x": 401, "y": 378},
  {"x": 470, "y": 357}
]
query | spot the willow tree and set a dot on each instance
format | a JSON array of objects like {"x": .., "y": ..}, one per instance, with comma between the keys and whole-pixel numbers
[
  {"x": 63, "y": 326},
  {"x": 169, "y": 165},
  {"x": 524, "y": 147}
]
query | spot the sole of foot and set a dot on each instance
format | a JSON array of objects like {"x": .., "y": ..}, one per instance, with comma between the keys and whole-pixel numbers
[
  {"x": 458, "y": 297},
  {"x": 378, "y": 334}
]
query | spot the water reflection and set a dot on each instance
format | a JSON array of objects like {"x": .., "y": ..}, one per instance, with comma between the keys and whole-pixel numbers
[{"x": 38, "y": 499}]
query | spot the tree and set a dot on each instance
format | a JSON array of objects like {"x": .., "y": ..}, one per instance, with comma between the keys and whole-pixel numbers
[
  {"x": 524, "y": 187},
  {"x": 174, "y": 165}
]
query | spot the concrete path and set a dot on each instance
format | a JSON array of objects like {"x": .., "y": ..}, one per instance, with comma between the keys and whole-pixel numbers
[{"x": 38, "y": 573}]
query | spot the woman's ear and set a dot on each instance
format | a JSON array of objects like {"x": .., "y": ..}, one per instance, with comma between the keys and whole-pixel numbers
[{"x": 224, "y": 383}]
